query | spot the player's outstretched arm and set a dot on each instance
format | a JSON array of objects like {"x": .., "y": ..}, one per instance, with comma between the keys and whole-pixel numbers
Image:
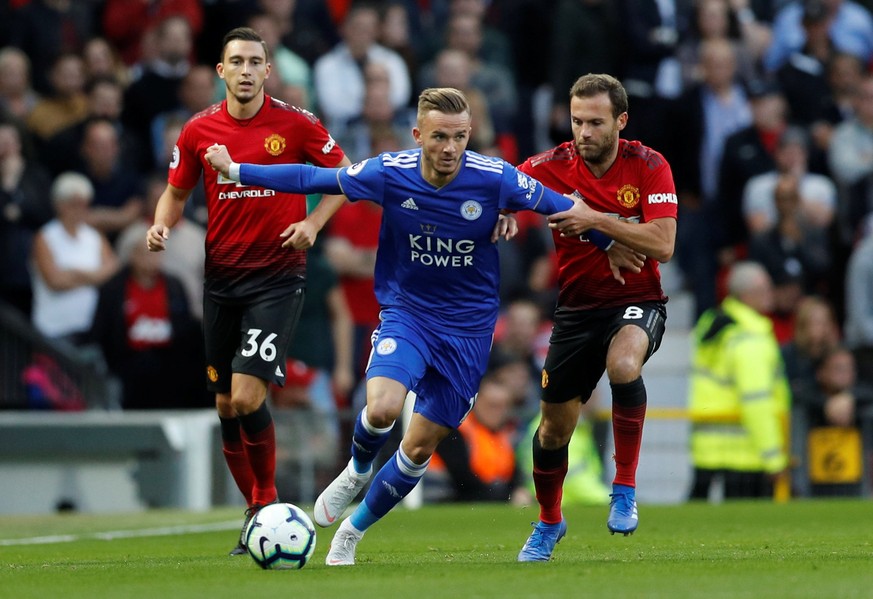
[{"x": 290, "y": 178}]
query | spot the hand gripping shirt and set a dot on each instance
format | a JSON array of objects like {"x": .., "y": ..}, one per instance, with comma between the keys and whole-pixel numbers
[{"x": 638, "y": 187}]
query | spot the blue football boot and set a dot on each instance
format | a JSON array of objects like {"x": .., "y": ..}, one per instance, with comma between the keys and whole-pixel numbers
[
  {"x": 623, "y": 516},
  {"x": 542, "y": 542}
]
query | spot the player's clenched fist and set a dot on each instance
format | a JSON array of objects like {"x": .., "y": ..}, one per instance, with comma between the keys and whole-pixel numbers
[
  {"x": 218, "y": 158},
  {"x": 156, "y": 236}
]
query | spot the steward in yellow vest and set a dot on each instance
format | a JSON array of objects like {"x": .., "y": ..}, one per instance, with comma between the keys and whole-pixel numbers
[{"x": 738, "y": 394}]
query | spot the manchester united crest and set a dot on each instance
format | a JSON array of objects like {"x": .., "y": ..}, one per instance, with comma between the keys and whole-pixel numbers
[
  {"x": 545, "y": 381},
  {"x": 628, "y": 196},
  {"x": 212, "y": 373},
  {"x": 275, "y": 144}
]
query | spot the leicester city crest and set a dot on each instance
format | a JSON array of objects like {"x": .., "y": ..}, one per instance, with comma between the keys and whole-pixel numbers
[
  {"x": 471, "y": 209},
  {"x": 386, "y": 346}
]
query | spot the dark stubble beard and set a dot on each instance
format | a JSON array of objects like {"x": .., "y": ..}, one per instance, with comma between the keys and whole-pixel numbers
[{"x": 602, "y": 151}]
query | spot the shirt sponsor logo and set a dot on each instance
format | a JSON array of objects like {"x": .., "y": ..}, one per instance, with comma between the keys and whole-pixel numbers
[
  {"x": 471, "y": 209},
  {"x": 246, "y": 193},
  {"x": 628, "y": 196},
  {"x": 662, "y": 198},
  {"x": 436, "y": 251},
  {"x": 275, "y": 144},
  {"x": 326, "y": 148}
]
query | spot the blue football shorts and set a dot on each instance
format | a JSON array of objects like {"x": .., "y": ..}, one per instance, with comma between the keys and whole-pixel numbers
[{"x": 443, "y": 370}]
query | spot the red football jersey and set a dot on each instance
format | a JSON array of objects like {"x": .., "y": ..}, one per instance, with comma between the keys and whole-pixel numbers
[
  {"x": 244, "y": 252},
  {"x": 638, "y": 187},
  {"x": 358, "y": 223}
]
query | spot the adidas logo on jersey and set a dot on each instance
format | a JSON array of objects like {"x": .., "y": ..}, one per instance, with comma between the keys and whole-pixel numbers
[{"x": 409, "y": 204}]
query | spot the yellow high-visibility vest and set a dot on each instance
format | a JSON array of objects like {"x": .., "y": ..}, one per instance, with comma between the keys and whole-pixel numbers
[{"x": 739, "y": 398}]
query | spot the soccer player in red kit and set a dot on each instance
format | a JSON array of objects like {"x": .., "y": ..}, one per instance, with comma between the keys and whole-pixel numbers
[
  {"x": 601, "y": 322},
  {"x": 255, "y": 270}
]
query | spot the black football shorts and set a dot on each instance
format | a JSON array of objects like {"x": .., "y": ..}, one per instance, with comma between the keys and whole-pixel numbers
[
  {"x": 250, "y": 337},
  {"x": 580, "y": 340}
]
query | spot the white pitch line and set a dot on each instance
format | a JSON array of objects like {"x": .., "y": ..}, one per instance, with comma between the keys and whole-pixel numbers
[{"x": 111, "y": 535}]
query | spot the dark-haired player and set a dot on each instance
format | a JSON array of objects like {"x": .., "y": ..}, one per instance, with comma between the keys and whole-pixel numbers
[
  {"x": 600, "y": 323},
  {"x": 254, "y": 283}
]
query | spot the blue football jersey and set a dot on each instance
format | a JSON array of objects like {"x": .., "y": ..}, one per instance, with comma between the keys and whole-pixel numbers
[{"x": 435, "y": 256}]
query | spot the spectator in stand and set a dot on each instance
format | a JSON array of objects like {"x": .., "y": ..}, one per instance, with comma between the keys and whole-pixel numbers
[
  {"x": 17, "y": 97},
  {"x": 24, "y": 208},
  {"x": 102, "y": 60},
  {"x": 397, "y": 32},
  {"x": 289, "y": 69},
  {"x": 859, "y": 307},
  {"x": 733, "y": 20},
  {"x": 185, "y": 257},
  {"x": 850, "y": 27},
  {"x": 350, "y": 247},
  {"x": 330, "y": 356},
  {"x": 118, "y": 196},
  {"x": 803, "y": 76},
  {"x": 519, "y": 333},
  {"x": 464, "y": 32},
  {"x": 454, "y": 68},
  {"x": 195, "y": 93},
  {"x": 156, "y": 88},
  {"x": 48, "y": 29},
  {"x": 652, "y": 73},
  {"x": 126, "y": 23},
  {"x": 378, "y": 118},
  {"x": 748, "y": 152},
  {"x": 816, "y": 333},
  {"x": 304, "y": 25},
  {"x": 71, "y": 260},
  {"x": 793, "y": 249},
  {"x": 144, "y": 327},
  {"x": 62, "y": 152},
  {"x": 839, "y": 393},
  {"x": 818, "y": 194},
  {"x": 851, "y": 163},
  {"x": 584, "y": 39},
  {"x": 845, "y": 73},
  {"x": 476, "y": 462},
  {"x": 67, "y": 103},
  {"x": 708, "y": 114},
  {"x": 488, "y": 43},
  {"x": 339, "y": 76}
]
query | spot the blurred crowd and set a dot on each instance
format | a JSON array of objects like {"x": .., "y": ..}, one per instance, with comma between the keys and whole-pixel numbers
[{"x": 764, "y": 109}]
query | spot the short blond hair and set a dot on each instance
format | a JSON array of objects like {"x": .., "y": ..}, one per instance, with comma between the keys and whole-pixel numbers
[{"x": 447, "y": 100}]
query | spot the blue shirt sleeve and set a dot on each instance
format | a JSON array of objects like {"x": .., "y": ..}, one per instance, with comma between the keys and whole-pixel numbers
[
  {"x": 526, "y": 193},
  {"x": 291, "y": 178}
]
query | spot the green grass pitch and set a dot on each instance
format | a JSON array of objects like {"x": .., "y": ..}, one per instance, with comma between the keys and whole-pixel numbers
[{"x": 819, "y": 549}]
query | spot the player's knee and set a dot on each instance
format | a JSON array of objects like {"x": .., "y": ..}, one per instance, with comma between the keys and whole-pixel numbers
[
  {"x": 554, "y": 434},
  {"x": 383, "y": 409},
  {"x": 623, "y": 369},
  {"x": 419, "y": 454},
  {"x": 243, "y": 403}
]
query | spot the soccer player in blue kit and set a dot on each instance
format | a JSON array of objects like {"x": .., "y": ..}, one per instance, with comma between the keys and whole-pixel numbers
[{"x": 437, "y": 276}]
